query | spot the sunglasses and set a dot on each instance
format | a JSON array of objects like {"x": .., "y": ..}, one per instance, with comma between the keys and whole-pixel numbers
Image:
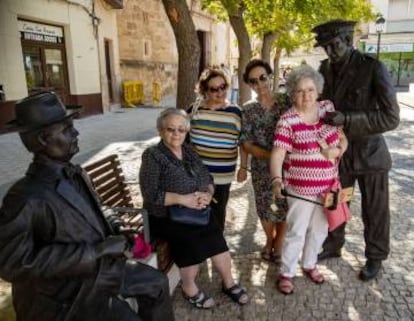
[
  {"x": 175, "y": 130},
  {"x": 255, "y": 81},
  {"x": 223, "y": 87}
]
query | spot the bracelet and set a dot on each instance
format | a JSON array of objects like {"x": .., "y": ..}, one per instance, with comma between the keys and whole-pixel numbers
[{"x": 244, "y": 167}]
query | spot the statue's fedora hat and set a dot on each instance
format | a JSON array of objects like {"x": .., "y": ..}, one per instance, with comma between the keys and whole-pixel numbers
[
  {"x": 40, "y": 110},
  {"x": 329, "y": 30}
]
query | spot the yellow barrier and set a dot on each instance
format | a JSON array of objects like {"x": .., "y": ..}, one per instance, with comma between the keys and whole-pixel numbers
[
  {"x": 156, "y": 93},
  {"x": 133, "y": 93}
]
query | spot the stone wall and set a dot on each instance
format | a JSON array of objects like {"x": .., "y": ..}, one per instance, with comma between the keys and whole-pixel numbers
[
  {"x": 147, "y": 48},
  {"x": 148, "y": 72}
]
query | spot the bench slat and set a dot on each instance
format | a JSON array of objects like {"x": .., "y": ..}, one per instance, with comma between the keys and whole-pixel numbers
[{"x": 91, "y": 166}]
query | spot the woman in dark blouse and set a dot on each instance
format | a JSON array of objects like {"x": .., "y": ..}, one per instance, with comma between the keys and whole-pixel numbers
[
  {"x": 259, "y": 120},
  {"x": 172, "y": 174}
]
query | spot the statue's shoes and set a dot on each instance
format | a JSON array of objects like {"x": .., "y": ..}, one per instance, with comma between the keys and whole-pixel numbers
[{"x": 370, "y": 270}]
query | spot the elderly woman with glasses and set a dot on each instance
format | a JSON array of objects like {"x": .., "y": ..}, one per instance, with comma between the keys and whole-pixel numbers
[
  {"x": 259, "y": 121},
  {"x": 171, "y": 173},
  {"x": 312, "y": 149},
  {"x": 214, "y": 134}
]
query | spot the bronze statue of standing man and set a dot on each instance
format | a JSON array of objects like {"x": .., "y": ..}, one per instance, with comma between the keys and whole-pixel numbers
[{"x": 366, "y": 106}]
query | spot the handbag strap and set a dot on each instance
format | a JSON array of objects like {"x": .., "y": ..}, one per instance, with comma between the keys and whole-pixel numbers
[
  {"x": 196, "y": 106},
  {"x": 285, "y": 193}
]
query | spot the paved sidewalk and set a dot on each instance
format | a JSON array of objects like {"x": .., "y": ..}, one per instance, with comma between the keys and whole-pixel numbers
[
  {"x": 341, "y": 297},
  {"x": 406, "y": 98}
]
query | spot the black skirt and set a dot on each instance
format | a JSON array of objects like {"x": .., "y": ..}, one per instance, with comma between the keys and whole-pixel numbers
[{"x": 190, "y": 244}]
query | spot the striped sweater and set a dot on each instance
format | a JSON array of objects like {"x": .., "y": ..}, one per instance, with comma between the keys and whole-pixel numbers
[
  {"x": 215, "y": 137},
  {"x": 308, "y": 171}
]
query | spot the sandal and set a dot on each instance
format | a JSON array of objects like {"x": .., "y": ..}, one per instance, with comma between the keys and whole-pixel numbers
[
  {"x": 200, "y": 300},
  {"x": 314, "y": 275},
  {"x": 277, "y": 258},
  {"x": 285, "y": 285},
  {"x": 237, "y": 294},
  {"x": 266, "y": 254}
]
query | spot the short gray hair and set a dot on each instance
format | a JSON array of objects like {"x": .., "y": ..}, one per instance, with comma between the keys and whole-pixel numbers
[
  {"x": 172, "y": 112},
  {"x": 302, "y": 72}
]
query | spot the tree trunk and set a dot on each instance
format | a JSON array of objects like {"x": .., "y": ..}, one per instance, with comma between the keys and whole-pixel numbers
[
  {"x": 245, "y": 52},
  {"x": 268, "y": 40},
  {"x": 276, "y": 62},
  {"x": 188, "y": 50}
]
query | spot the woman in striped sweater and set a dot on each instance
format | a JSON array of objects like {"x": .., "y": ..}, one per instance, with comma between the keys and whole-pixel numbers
[
  {"x": 214, "y": 134},
  {"x": 312, "y": 149}
]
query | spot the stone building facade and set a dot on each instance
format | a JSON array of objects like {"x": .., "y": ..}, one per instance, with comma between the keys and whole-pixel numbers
[
  {"x": 396, "y": 43},
  {"x": 70, "y": 47},
  {"x": 147, "y": 47}
]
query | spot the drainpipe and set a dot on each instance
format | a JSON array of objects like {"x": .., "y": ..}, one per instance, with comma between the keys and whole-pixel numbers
[{"x": 95, "y": 24}]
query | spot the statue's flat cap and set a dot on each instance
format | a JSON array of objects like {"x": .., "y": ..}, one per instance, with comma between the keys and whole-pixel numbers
[{"x": 329, "y": 30}]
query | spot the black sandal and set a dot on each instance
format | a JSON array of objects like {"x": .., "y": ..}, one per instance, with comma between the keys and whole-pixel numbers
[
  {"x": 277, "y": 258},
  {"x": 236, "y": 293},
  {"x": 200, "y": 300}
]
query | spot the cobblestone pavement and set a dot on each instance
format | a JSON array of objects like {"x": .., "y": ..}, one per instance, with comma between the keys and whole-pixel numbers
[{"x": 341, "y": 297}]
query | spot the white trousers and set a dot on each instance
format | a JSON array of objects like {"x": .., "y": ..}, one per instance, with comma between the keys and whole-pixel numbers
[{"x": 307, "y": 228}]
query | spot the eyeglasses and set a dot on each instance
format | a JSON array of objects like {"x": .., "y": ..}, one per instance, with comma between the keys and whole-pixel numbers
[
  {"x": 255, "y": 81},
  {"x": 223, "y": 87},
  {"x": 176, "y": 130}
]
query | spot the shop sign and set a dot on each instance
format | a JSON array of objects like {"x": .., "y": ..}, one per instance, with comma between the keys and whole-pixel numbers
[
  {"x": 392, "y": 47},
  {"x": 40, "y": 32}
]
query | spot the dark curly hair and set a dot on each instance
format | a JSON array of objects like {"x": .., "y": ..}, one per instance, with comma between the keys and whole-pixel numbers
[
  {"x": 206, "y": 76},
  {"x": 253, "y": 64}
]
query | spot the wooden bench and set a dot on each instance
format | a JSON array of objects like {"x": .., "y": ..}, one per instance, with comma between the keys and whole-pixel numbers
[{"x": 108, "y": 179}]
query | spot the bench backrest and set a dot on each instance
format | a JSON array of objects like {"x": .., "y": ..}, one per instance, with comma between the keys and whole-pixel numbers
[{"x": 108, "y": 179}]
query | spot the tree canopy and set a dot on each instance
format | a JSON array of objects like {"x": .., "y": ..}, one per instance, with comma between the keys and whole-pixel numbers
[{"x": 285, "y": 25}]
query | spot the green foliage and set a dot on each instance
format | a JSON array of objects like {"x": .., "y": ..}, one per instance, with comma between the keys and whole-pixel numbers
[
  {"x": 290, "y": 20},
  {"x": 216, "y": 8},
  {"x": 223, "y": 8}
]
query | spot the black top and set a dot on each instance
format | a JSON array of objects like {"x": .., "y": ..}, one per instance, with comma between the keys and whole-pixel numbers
[{"x": 161, "y": 171}]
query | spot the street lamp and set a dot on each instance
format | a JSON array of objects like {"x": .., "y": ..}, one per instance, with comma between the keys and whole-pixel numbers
[{"x": 379, "y": 26}]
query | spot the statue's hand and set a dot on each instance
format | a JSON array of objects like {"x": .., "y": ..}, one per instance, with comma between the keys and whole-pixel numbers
[
  {"x": 114, "y": 246},
  {"x": 334, "y": 118},
  {"x": 116, "y": 223}
]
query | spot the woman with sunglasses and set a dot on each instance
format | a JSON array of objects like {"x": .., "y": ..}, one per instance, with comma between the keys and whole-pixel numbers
[
  {"x": 171, "y": 173},
  {"x": 259, "y": 121},
  {"x": 313, "y": 150},
  {"x": 214, "y": 134}
]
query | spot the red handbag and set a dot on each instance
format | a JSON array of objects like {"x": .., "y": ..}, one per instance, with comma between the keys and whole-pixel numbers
[{"x": 335, "y": 204}]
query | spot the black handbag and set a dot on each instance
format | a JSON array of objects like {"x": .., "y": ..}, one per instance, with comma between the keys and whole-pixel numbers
[{"x": 190, "y": 216}]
